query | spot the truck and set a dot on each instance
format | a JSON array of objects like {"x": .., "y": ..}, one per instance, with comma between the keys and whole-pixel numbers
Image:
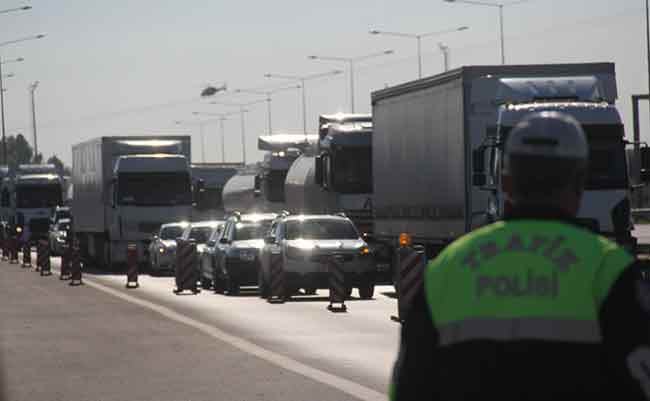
[
  {"x": 337, "y": 176},
  {"x": 438, "y": 145},
  {"x": 125, "y": 188},
  {"x": 30, "y": 195},
  {"x": 264, "y": 189},
  {"x": 211, "y": 179}
]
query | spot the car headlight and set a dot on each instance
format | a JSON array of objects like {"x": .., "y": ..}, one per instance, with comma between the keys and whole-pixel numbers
[
  {"x": 161, "y": 250},
  {"x": 247, "y": 255},
  {"x": 19, "y": 229}
]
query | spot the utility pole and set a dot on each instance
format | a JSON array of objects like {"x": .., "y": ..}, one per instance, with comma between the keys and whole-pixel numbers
[{"x": 32, "y": 89}]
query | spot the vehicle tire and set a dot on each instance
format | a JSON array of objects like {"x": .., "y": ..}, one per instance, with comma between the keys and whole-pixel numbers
[
  {"x": 217, "y": 282},
  {"x": 348, "y": 292},
  {"x": 233, "y": 287},
  {"x": 263, "y": 286},
  {"x": 206, "y": 283},
  {"x": 366, "y": 291},
  {"x": 311, "y": 291}
]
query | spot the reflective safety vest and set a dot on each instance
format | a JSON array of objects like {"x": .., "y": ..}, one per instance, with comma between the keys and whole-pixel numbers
[{"x": 523, "y": 279}]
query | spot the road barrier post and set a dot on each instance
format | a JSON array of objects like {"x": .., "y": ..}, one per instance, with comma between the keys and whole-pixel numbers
[
  {"x": 27, "y": 255},
  {"x": 185, "y": 266},
  {"x": 65, "y": 262},
  {"x": 276, "y": 280},
  {"x": 411, "y": 264},
  {"x": 13, "y": 256},
  {"x": 44, "y": 258},
  {"x": 338, "y": 291},
  {"x": 5, "y": 248},
  {"x": 75, "y": 265},
  {"x": 132, "y": 266}
]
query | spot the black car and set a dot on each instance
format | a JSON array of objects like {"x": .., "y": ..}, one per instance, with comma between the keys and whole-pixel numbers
[{"x": 233, "y": 260}]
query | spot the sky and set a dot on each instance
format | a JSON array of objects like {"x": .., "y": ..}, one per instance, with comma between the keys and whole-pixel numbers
[{"x": 136, "y": 67}]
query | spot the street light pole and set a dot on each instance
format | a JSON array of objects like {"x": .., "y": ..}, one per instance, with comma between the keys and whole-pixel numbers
[
  {"x": 242, "y": 110},
  {"x": 445, "y": 54},
  {"x": 223, "y": 140},
  {"x": 202, "y": 142},
  {"x": 351, "y": 61},
  {"x": 32, "y": 88},
  {"x": 2, "y": 107},
  {"x": 503, "y": 45},
  {"x": 647, "y": 39},
  {"x": 267, "y": 94}
]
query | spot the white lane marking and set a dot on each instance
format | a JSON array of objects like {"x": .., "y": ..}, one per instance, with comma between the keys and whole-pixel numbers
[{"x": 339, "y": 383}]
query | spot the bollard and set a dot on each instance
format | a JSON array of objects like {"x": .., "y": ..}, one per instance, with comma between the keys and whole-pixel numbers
[
  {"x": 5, "y": 249},
  {"x": 27, "y": 255},
  {"x": 185, "y": 267},
  {"x": 44, "y": 262},
  {"x": 276, "y": 280},
  {"x": 13, "y": 255},
  {"x": 338, "y": 291},
  {"x": 410, "y": 262},
  {"x": 65, "y": 262},
  {"x": 132, "y": 266},
  {"x": 75, "y": 265}
]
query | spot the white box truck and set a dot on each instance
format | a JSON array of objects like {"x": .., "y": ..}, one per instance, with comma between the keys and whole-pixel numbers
[
  {"x": 438, "y": 142},
  {"x": 124, "y": 189}
]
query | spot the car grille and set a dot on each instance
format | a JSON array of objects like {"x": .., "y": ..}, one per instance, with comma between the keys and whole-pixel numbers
[
  {"x": 39, "y": 226},
  {"x": 323, "y": 258}
]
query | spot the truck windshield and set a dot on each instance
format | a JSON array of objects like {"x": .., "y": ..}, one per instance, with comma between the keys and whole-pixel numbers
[
  {"x": 38, "y": 196},
  {"x": 173, "y": 232},
  {"x": 607, "y": 162},
  {"x": 154, "y": 189},
  {"x": 320, "y": 229},
  {"x": 211, "y": 198},
  {"x": 352, "y": 171}
]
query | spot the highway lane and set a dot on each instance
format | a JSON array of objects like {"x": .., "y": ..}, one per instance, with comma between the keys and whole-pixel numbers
[{"x": 359, "y": 346}]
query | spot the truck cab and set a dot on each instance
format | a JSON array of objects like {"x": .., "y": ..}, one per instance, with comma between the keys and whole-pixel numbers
[
  {"x": 146, "y": 191},
  {"x": 605, "y": 206}
]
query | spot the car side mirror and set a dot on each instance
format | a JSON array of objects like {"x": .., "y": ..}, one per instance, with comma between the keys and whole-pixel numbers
[
  {"x": 224, "y": 241},
  {"x": 212, "y": 243},
  {"x": 645, "y": 165},
  {"x": 269, "y": 240},
  {"x": 479, "y": 178}
]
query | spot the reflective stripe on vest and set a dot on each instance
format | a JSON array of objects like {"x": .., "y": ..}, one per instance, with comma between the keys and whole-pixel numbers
[
  {"x": 523, "y": 279},
  {"x": 584, "y": 331}
]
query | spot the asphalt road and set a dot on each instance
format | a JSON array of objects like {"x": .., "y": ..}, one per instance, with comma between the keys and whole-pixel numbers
[{"x": 101, "y": 341}]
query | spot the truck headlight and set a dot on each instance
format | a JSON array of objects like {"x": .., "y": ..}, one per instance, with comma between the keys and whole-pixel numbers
[{"x": 19, "y": 229}]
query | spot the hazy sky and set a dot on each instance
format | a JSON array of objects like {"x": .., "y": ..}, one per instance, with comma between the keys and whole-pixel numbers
[{"x": 128, "y": 67}]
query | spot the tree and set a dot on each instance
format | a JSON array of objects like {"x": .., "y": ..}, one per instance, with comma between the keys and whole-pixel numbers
[{"x": 57, "y": 163}]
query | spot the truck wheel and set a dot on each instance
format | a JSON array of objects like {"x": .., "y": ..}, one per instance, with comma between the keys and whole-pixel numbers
[
  {"x": 311, "y": 291},
  {"x": 348, "y": 292},
  {"x": 366, "y": 291},
  {"x": 233, "y": 287}
]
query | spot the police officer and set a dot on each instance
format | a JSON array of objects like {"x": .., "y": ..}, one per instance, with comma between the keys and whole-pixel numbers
[{"x": 533, "y": 307}]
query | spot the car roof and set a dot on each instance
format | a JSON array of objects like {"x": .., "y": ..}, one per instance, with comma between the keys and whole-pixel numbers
[
  {"x": 64, "y": 221},
  {"x": 181, "y": 224},
  {"x": 209, "y": 224}
]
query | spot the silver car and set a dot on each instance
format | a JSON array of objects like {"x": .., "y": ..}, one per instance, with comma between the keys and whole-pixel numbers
[
  {"x": 58, "y": 236},
  {"x": 162, "y": 249},
  {"x": 306, "y": 242}
]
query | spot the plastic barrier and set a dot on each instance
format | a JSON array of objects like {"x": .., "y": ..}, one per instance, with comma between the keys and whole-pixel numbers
[
  {"x": 411, "y": 263},
  {"x": 338, "y": 288},
  {"x": 5, "y": 249},
  {"x": 132, "y": 266},
  {"x": 75, "y": 265},
  {"x": 276, "y": 280},
  {"x": 13, "y": 250},
  {"x": 66, "y": 257},
  {"x": 185, "y": 267},
  {"x": 27, "y": 255},
  {"x": 43, "y": 258}
]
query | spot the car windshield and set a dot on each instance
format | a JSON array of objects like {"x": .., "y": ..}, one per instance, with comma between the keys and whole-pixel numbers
[
  {"x": 173, "y": 232},
  {"x": 38, "y": 196},
  {"x": 200, "y": 234},
  {"x": 246, "y": 231},
  {"x": 320, "y": 229}
]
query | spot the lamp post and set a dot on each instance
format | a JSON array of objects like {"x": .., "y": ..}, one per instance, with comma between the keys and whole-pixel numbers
[
  {"x": 445, "y": 55},
  {"x": 500, "y": 6},
  {"x": 2, "y": 103},
  {"x": 32, "y": 89},
  {"x": 418, "y": 38},
  {"x": 4, "y": 139},
  {"x": 267, "y": 94},
  {"x": 647, "y": 39},
  {"x": 302, "y": 79},
  {"x": 221, "y": 118},
  {"x": 201, "y": 125},
  {"x": 8, "y": 10},
  {"x": 351, "y": 61}
]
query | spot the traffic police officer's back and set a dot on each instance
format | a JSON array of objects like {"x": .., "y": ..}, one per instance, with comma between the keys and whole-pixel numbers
[{"x": 533, "y": 307}]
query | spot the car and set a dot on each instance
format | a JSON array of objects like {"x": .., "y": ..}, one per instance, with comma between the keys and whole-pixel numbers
[
  {"x": 305, "y": 243},
  {"x": 162, "y": 249},
  {"x": 201, "y": 232},
  {"x": 58, "y": 236},
  {"x": 231, "y": 258}
]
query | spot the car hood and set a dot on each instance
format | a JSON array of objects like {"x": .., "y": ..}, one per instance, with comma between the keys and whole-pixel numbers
[
  {"x": 327, "y": 245},
  {"x": 248, "y": 244},
  {"x": 169, "y": 243}
]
